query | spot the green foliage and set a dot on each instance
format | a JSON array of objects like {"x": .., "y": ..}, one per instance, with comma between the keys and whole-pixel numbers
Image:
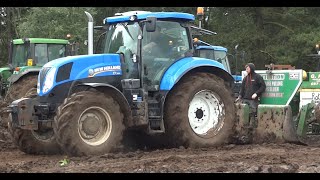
[
  {"x": 64, "y": 162},
  {"x": 57, "y": 22}
]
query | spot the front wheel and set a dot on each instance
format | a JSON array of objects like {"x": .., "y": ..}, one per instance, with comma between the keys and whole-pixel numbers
[
  {"x": 89, "y": 123},
  {"x": 199, "y": 112},
  {"x": 37, "y": 142}
]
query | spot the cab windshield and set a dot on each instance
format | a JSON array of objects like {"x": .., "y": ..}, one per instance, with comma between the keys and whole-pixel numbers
[
  {"x": 19, "y": 55},
  {"x": 48, "y": 52},
  {"x": 220, "y": 56},
  {"x": 121, "y": 37},
  {"x": 170, "y": 40}
]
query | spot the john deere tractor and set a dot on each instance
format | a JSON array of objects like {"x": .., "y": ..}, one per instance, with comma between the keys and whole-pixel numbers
[
  {"x": 85, "y": 103},
  {"x": 26, "y": 57}
]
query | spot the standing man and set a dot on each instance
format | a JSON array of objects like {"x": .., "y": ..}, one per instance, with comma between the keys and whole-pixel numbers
[{"x": 252, "y": 87}]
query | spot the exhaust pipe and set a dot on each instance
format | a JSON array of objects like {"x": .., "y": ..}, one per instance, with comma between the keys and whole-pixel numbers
[{"x": 90, "y": 33}]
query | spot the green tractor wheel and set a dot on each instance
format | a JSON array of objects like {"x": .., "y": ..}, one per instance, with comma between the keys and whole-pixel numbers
[
  {"x": 25, "y": 86},
  {"x": 20, "y": 88},
  {"x": 41, "y": 141}
]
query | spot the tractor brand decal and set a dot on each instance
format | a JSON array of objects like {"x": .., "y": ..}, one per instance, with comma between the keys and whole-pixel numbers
[
  {"x": 135, "y": 97},
  {"x": 116, "y": 70}
]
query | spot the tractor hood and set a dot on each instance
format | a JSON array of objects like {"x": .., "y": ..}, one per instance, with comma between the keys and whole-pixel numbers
[
  {"x": 75, "y": 68},
  {"x": 4, "y": 69}
]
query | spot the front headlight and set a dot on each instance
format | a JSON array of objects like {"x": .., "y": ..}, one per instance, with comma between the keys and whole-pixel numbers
[
  {"x": 48, "y": 80},
  {"x": 38, "y": 87}
]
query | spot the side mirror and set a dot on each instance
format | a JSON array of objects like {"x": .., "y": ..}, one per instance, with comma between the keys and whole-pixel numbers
[{"x": 151, "y": 24}]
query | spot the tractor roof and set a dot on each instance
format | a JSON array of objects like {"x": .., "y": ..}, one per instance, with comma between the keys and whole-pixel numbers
[
  {"x": 41, "y": 41},
  {"x": 142, "y": 15},
  {"x": 217, "y": 48}
]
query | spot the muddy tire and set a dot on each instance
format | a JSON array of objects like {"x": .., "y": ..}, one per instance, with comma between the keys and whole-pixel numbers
[
  {"x": 89, "y": 123},
  {"x": 22, "y": 88},
  {"x": 199, "y": 112},
  {"x": 34, "y": 142},
  {"x": 37, "y": 142}
]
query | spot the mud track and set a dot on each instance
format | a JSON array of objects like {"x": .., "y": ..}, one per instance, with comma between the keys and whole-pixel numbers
[{"x": 263, "y": 158}]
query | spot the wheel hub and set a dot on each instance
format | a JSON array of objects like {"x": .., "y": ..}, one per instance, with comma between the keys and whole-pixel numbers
[
  {"x": 95, "y": 125},
  {"x": 91, "y": 124},
  {"x": 199, "y": 113},
  {"x": 206, "y": 111}
]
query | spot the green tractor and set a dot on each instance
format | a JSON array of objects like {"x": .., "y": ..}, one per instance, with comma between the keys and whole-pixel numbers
[{"x": 26, "y": 57}]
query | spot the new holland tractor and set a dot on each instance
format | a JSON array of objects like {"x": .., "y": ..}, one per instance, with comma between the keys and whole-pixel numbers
[{"x": 85, "y": 103}]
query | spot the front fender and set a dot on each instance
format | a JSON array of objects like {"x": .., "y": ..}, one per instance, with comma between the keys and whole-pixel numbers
[
  {"x": 15, "y": 77},
  {"x": 185, "y": 65},
  {"x": 96, "y": 85},
  {"x": 118, "y": 96}
]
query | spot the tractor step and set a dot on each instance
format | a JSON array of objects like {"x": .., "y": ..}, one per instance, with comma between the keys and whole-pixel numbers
[{"x": 155, "y": 118}]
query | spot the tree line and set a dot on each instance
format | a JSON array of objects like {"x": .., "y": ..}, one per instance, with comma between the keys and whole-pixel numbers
[{"x": 262, "y": 35}]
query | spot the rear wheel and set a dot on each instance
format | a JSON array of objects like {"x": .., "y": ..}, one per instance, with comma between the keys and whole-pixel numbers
[
  {"x": 89, "y": 123},
  {"x": 40, "y": 141},
  {"x": 20, "y": 88},
  {"x": 199, "y": 112}
]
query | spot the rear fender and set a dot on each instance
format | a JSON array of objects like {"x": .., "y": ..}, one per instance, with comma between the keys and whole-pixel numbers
[
  {"x": 15, "y": 77},
  {"x": 180, "y": 68}
]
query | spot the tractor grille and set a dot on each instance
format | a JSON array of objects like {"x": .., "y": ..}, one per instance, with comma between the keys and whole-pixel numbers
[{"x": 43, "y": 74}]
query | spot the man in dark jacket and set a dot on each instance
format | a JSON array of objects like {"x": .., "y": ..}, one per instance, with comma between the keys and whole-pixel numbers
[{"x": 252, "y": 87}]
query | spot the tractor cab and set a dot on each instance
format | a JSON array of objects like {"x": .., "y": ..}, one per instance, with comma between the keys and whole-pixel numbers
[
  {"x": 30, "y": 52},
  {"x": 217, "y": 53},
  {"x": 29, "y": 55},
  {"x": 150, "y": 49}
]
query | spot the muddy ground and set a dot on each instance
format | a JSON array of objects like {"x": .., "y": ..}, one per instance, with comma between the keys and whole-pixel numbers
[{"x": 263, "y": 158}]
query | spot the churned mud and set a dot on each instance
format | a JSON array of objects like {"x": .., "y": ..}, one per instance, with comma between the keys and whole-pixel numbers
[{"x": 254, "y": 158}]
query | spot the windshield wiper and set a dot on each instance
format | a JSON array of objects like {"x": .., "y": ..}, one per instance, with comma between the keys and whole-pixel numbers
[{"x": 127, "y": 29}]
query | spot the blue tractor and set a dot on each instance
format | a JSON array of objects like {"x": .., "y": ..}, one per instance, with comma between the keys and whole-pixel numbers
[
  {"x": 219, "y": 54},
  {"x": 85, "y": 103}
]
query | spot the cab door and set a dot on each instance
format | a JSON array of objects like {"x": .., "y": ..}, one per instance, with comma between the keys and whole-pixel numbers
[{"x": 162, "y": 48}]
